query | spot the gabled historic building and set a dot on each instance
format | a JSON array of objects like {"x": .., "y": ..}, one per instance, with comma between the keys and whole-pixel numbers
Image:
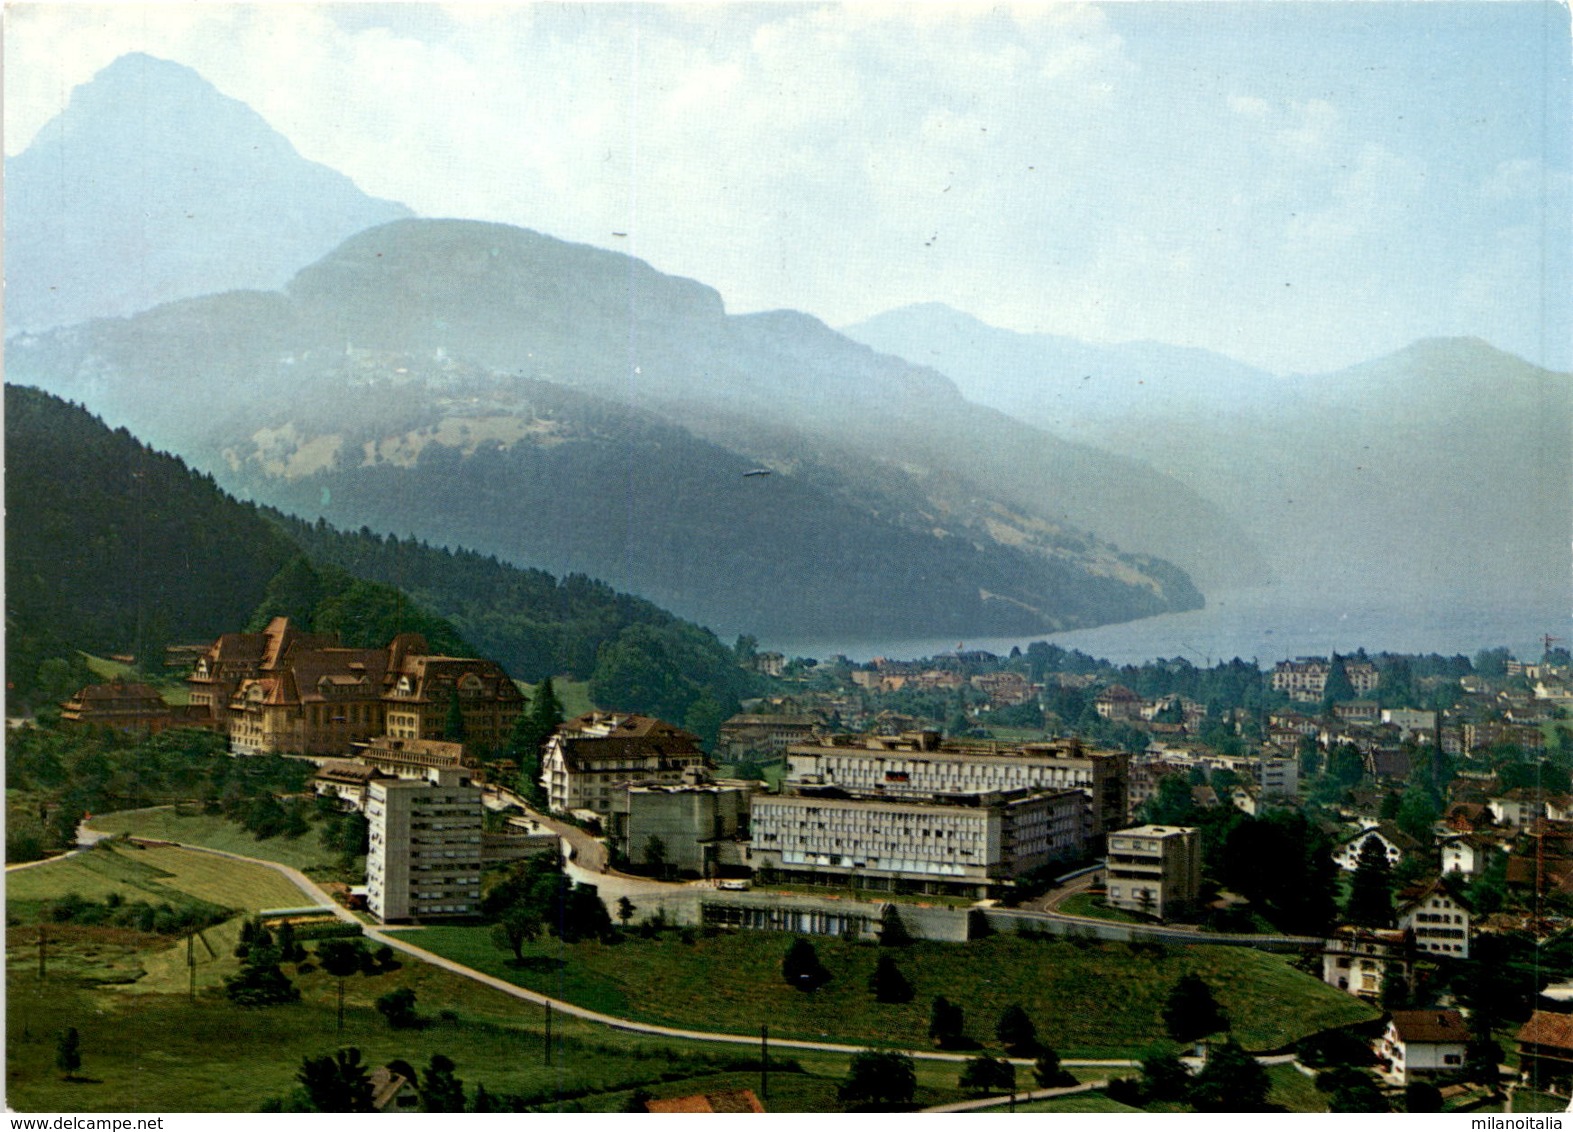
[
  {"x": 285, "y": 692},
  {"x": 121, "y": 706},
  {"x": 589, "y": 761}
]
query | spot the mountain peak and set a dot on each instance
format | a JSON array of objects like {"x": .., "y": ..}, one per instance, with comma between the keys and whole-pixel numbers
[
  {"x": 224, "y": 201},
  {"x": 140, "y": 98}
]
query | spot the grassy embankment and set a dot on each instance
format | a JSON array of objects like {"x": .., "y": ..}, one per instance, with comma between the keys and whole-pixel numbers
[
  {"x": 1094, "y": 907},
  {"x": 1094, "y": 1000},
  {"x": 1087, "y": 1000},
  {"x": 214, "y": 831},
  {"x": 147, "y": 1047}
]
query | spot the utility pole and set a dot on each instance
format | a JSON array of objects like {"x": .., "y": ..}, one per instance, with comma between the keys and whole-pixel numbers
[{"x": 764, "y": 1063}]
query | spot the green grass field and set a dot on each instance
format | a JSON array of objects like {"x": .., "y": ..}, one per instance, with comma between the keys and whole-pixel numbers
[
  {"x": 217, "y": 832},
  {"x": 574, "y": 695},
  {"x": 1092, "y": 1001},
  {"x": 158, "y": 1051},
  {"x": 1527, "y": 1100},
  {"x": 152, "y": 874},
  {"x": 1085, "y": 904}
]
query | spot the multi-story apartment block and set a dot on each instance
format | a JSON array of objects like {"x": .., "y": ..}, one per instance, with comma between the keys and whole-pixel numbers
[
  {"x": 1154, "y": 869},
  {"x": 918, "y": 764},
  {"x": 590, "y": 761},
  {"x": 1277, "y": 776},
  {"x": 424, "y": 858},
  {"x": 285, "y": 692},
  {"x": 966, "y": 843}
]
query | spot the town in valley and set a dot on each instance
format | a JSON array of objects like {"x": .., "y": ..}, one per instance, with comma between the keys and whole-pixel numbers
[{"x": 812, "y": 557}]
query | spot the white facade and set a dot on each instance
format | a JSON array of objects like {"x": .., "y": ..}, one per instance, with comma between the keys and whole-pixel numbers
[
  {"x": 1440, "y": 924},
  {"x": 902, "y": 768},
  {"x": 993, "y": 839},
  {"x": 1463, "y": 855},
  {"x": 1347, "y": 855},
  {"x": 1362, "y": 960},
  {"x": 1411, "y": 722},
  {"x": 1421, "y": 1043},
  {"x": 424, "y": 857}
]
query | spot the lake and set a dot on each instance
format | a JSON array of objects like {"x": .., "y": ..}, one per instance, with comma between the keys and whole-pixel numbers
[{"x": 1268, "y": 624}]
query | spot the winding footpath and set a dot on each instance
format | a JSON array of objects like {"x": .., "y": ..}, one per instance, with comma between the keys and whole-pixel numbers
[{"x": 393, "y": 938}]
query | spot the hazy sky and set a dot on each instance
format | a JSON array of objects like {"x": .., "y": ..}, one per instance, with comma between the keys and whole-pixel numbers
[{"x": 1301, "y": 186}]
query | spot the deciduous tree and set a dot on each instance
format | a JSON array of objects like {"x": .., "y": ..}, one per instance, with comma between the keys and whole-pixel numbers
[
  {"x": 1016, "y": 1031},
  {"x": 68, "y": 1052},
  {"x": 888, "y": 983},
  {"x": 879, "y": 1077},
  {"x": 1231, "y": 1081},
  {"x": 1191, "y": 1011}
]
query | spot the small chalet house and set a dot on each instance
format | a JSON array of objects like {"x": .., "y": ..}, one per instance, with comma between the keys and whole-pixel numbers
[
  {"x": 1395, "y": 842},
  {"x": 1465, "y": 854},
  {"x": 1440, "y": 924},
  {"x": 1363, "y": 961},
  {"x": 1421, "y": 1043},
  {"x": 1545, "y": 1050}
]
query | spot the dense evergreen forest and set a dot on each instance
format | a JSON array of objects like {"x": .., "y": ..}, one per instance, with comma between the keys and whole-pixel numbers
[{"x": 112, "y": 547}]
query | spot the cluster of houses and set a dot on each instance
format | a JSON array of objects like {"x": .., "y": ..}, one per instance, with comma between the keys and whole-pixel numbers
[{"x": 891, "y": 807}]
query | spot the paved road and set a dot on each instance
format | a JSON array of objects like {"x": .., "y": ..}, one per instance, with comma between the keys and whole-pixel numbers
[
  {"x": 85, "y": 839},
  {"x": 395, "y": 938}
]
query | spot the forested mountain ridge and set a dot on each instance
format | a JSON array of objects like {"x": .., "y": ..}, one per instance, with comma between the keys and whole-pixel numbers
[
  {"x": 573, "y": 409},
  {"x": 114, "y": 547}
]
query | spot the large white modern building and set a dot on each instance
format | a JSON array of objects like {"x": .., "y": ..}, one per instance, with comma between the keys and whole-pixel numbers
[
  {"x": 964, "y": 843},
  {"x": 920, "y": 765},
  {"x": 424, "y": 858}
]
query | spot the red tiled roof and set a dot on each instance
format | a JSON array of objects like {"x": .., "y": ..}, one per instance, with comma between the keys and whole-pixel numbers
[
  {"x": 1547, "y": 1028},
  {"x": 731, "y": 1100},
  {"x": 1430, "y": 1026}
]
